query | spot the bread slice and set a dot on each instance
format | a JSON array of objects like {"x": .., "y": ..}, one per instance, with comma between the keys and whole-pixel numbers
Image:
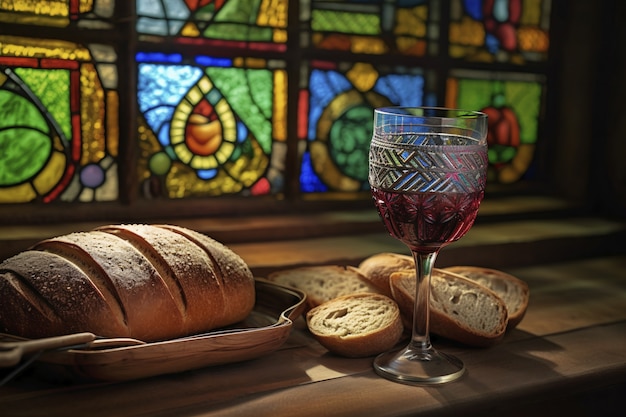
[
  {"x": 379, "y": 267},
  {"x": 356, "y": 325},
  {"x": 460, "y": 309},
  {"x": 513, "y": 291},
  {"x": 322, "y": 283}
]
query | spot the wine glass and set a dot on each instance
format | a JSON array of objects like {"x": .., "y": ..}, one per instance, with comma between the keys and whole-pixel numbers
[{"x": 427, "y": 173}]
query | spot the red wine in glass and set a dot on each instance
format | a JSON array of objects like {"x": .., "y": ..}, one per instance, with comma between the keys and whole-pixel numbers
[{"x": 427, "y": 221}]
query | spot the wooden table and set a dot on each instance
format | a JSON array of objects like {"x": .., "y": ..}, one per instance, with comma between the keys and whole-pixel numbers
[{"x": 567, "y": 357}]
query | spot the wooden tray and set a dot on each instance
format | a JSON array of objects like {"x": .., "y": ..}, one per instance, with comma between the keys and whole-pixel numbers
[{"x": 262, "y": 332}]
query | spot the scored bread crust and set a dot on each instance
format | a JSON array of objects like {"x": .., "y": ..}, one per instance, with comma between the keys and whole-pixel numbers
[
  {"x": 379, "y": 267},
  {"x": 232, "y": 273},
  {"x": 322, "y": 283},
  {"x": 449, "y": 294},
  {"x": 356, "y": 325},
  {"x": 513, "y": 291},
  {"x": 141, "y": 281}
]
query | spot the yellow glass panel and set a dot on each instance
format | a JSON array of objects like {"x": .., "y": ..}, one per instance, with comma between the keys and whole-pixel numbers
[
  {"x": 195, "y": 95},
  {"x": 280, "y": 106},
  {"x": 49, "y": 7},
  {"x": 533, "y": 39},
  {"x": 279, "y": 36},
  {"x": 183, "y": 153},
  {"x": 85, "y": 6},
  {"x": 250, "y": 167},
  {"x": 412, "y": 21},
  {"x": 362, "y": 76},
  {"x": 203, "y": 162},
  {"x": 22, "y": 193},
  {"x": 113, "y": 127},
  {"x": 148, "y": 145},
  {"x": 28, "y": 19},
  {"x": 531, "y": 12},
  {"x": 92, "y": 111},
  {"x": 468, "y": 32},
  {"x": 224, "y": 152},
  {"x": 251, "y": 62},
  {"x": 366, "y": 45},
  {"x": 190, "y": 30},
  {"x": 205, "y": 84},
  {"x": 273, "y": 13},
  {"x": 24, "y": 47},
  {"x": 51, "y": 175},
  {"x": 40, "y": 12}
]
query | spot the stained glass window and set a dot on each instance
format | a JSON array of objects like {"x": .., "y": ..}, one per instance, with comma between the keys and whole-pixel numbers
[
  {"x": 335, "y": 112},
  {"x": 251, "y": 97},
  {"x": 210, "y": 126},
  {"x": 59, "y": 126}
]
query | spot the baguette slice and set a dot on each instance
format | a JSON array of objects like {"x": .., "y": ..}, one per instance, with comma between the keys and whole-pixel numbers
[
  {"x": 460, "y": 309},
  {"x": 513, "y": 291},
  {"x": 322, "y": 283},
  {"x": 379, "y": 267},
  {"x": 356, "y": 325}
]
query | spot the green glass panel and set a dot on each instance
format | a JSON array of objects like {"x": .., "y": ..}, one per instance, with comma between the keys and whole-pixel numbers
[
  {"x": 23, "y": 139},
  {"x": 345, "y": 22},
  {"x": 513, "y": 104},
  {"x": 249, "y": 96},
  {"x": 55, "y": 100}
]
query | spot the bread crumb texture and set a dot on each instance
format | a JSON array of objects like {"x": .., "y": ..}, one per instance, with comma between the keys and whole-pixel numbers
[
  {"x": 463, "y": 302},
  {"x": 352, "y": 317}
]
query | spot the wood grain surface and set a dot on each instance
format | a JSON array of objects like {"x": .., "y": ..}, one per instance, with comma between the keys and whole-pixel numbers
[{"x": 568, "y": 356}]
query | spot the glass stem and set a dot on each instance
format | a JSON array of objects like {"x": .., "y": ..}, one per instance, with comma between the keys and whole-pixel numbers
[{"x": 420, "y": 341}]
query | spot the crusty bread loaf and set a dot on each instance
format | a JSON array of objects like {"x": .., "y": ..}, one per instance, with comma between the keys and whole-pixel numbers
[
  {"x": 322, "y": 283},
  {"x": 460, "y": 309},
  {"x": 513, "y": 291},
  {"x": 150, "y": 282},
  {"x": 356, "y": 325},
  {"x": 379, "y": 267}
]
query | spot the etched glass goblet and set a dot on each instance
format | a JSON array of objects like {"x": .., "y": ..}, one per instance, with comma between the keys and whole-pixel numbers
[{"x": 427, "y": 174}]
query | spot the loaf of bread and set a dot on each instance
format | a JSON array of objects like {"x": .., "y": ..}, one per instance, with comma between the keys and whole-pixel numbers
[
  {"x": 322, "y": 283},
  {"x": 150, "y": 282},
  {"x": 356, "y": 325},
  {"x": 513, "y": 291},
  {"x": 460, "y": 309}
]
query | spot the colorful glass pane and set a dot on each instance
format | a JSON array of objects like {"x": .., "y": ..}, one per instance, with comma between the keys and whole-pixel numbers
[
  {"x": 335, "y": 119},
  {"x": 210, "y": 126},
  {"x": 59, "y": 13},
  {"x": 513, "y": 31},
  {"x": 513, "y": 105},
  {"x": 253, "y": 24},
  {"x": 59, "y": 125},
  {"x": 367, "y": 26}
]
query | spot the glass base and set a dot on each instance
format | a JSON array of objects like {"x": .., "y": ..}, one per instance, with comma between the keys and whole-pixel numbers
[{"x": 417, "y": 367}]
